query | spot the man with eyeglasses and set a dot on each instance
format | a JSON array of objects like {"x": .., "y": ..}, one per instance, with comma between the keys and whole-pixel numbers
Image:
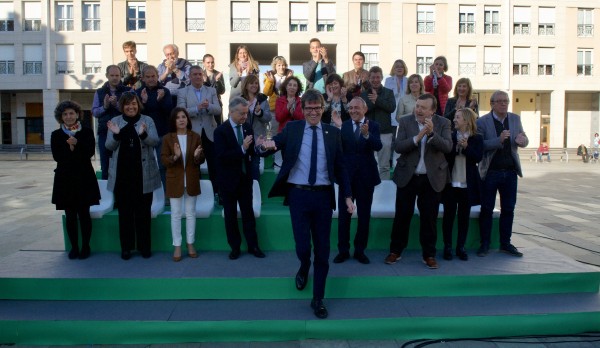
[
  {"x": 503, "y": 134},
  {"x": 312, "y": 162}
]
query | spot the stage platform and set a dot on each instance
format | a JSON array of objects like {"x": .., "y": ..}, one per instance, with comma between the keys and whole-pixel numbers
[{"x": 50, "y": 300}]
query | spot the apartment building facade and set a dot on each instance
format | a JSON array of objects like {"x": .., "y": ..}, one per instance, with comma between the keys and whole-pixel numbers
[{"x": 542, "y": 52}]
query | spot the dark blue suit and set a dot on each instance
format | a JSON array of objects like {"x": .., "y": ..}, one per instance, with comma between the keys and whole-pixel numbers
[
  {"x": 359, "y": 158},
  {"x": 234, "y": 184},
  {"x": 311, "y": 211}
]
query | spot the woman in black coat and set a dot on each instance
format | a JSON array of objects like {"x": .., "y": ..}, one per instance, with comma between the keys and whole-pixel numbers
[
  {"x": 75, "y": 185},
  {"x": 463, "y": 190}
]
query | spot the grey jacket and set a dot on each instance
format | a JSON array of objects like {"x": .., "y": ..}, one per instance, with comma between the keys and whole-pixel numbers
[
  {"x": 491, "y": 141},
  {"x": 203, "y": 119},
  {"x": 150, "y": 173}
]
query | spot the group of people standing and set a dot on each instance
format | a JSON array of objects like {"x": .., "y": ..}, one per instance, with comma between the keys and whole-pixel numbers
[{"x": 342, "y": 129}]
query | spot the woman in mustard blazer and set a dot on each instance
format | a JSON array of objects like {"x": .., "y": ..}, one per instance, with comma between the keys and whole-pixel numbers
[{"x": 182, "y": 155}]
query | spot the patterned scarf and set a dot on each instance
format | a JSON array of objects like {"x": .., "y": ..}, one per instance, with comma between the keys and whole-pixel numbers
[{"x": 72, "y": 130}]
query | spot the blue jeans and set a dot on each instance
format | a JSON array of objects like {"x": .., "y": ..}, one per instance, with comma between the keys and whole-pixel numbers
[{"x": 505, "y": 183}]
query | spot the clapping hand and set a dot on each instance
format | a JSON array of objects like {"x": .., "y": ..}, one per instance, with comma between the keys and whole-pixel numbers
[
  {"x": 247, "y": 142},
  {"x": 159, "y": 94},
  {"x": 113, "y": 127},
  {"x": 335, "y": 117},
  {"x": 364, "y": 128},
  {"x": 143, "y": 128},
  {"x": 144, "y": 96},
  {"x": 176, "y": 150},
  {"x": 203, "y": 105},
  {"x": 521, "y": 139},
  {"x": 373, "y": 95},
  {"x": 72, "y": 141},
  {"x": 198, "y": 151},
  {"x": 257, "y": 109}
]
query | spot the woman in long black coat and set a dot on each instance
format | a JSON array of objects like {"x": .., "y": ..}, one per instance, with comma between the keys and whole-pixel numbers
[{"x": 75, "y": 185}]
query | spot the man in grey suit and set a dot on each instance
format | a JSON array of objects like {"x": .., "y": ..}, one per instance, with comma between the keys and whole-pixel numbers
[
  {"x": 421, "y": 174},
  {"x": 503, "y": 134},
  {"x": 202, "y": 104}
]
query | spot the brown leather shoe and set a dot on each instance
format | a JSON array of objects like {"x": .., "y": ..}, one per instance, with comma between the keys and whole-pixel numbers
[
  {"x": 431, "y": 263},
  {"x": 392, "y": 258},
  {"x": 192, "y": 251},
  {"x": 177, "y": 254}
]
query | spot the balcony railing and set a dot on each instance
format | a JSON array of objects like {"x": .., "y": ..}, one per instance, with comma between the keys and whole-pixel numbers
[
  {"x": 491, "y": 68},
  {"x": 585, "y": 69},
  {"x": 240, "y": 24},
  {"x": 521, "y": 29},
  {"x": 7, "y": 67},
  {"x": 267, "y": 24},
  {"x": 426, "y": 27},
  {"x": 467, "y": 68},
  {"x": 326, "y": 25},
  {"x": 585, "y": 30},
  {"x": 546, "y": 69},
  {"x": 546, "y": 29},
  {"x": 91, "y": 25},
  {"x": 92, "y": 67},
  {"x": 369, "y": 26},
  {"x": 491, "y": 28},
  {"x": 195, "y": 24},
  {"x": 7, "y": 25},
  {"x": 32, "y": 67},
  {"x": 299, "y": 25},
  {"x": 65, "y": 67},
  {"x": 466, "y": 28},
  {"x": 64, "y": 24},
  {"x": 32, "y": 25}
]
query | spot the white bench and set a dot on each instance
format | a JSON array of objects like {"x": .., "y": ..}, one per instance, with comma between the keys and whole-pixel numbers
[
  {"x": 158, "y": 202},
  {"x": 205, "y": 203},
  {"x": 107, "y": 201}
]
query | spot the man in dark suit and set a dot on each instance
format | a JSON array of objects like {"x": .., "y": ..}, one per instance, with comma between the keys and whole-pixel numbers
[
  {"x": 360, "y": 140},
  {"x": 233, "y": 154},
  {"x": 421, "y": 171},
  {"x": 312, "y": 162}
]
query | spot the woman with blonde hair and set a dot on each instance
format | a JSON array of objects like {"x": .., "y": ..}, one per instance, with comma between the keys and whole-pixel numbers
[
  {"x": 398, "y": 83},
  {"x": 463, "y": 191},
  {"x": 439, "y": 83},
  {"x": 242, "y": 65},
  {"x": 463, "y": 98},
  {"x": 406, "y": 104}
]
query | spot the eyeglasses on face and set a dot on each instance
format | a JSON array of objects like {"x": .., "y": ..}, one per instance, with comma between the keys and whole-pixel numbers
[{"x": 308, "y": 109}]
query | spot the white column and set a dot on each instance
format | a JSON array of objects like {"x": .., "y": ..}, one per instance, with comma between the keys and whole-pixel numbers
[
  {"x": 50, "y": 99},
  {"x": 557, "y": 118}
]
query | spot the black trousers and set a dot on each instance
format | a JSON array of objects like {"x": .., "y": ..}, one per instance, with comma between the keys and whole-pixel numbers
[
  {"x": 134, "y": 219},
  {"x": 456, "y": 204},
  {"x": 209, "y": 153},
  {"x": 85, "y": 222},
  {"x": 419, "y": 189},
  {"x": 242, "y": 194}
]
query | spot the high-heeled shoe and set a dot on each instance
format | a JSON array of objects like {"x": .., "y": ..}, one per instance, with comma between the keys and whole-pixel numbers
[
  {"x": 192, "y": 251},
  {"x": 177, "y": 254}
]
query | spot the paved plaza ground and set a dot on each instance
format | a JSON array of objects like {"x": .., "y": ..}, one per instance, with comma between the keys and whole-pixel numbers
[{"x": 558, "y": 206}]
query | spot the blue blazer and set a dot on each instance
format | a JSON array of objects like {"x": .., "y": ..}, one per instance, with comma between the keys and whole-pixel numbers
[
  {"x": 289, "y": 142},
  {"x": 359, "y": 155},
  {"x": 229, "y": 156}
]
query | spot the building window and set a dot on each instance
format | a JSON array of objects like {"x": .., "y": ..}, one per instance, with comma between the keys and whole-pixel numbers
[
  {"x": 521, "y": 20},
  {"x": 371, "y": 53},
  {"x": 91, "y": 16},
  {"x": 546, "y": 20},
  {"x": 584, "y": 62},
  {"x": 521, "y": 60},
  {"x": 491, "y": 20},
  {"x": 267, "y": 14},
  {"x": 7, "y": 59},
  {"x": 492, "y": 58},
  {"x": 195, "y": 15},
  {"x": 240, "y": 16},
  {"x": 7, "y": 17},
  {"x": 546, "y": 61},
  {"x": 65, "y": 59},
  {"x": 195, "y": 52},
  {"x": 425, "y": 19},
  {"x": 92, "y": 59},
  {"x": 136, "y": 16},
  {"x": 32, "y": 20},
  {"x": 369, "y": 18},
  {"x": 467, "y": 60},
  {"x": 325, "y": 16},
  {"x": 32, "y": 59},
  {"x": 424, "y": 59},
  {"x": 64, "y": 16},
  {"x": 520, "y": 69},
  {"x": 466, "y": 19},
  {"x": 585, "y": 22},
  {"x": 298, "y": 16}
]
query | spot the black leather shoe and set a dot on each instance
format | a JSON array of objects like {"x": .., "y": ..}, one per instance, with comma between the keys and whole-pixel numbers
[
  {"x": 234, "y": 254},
  {"x": 74, "y": 253},
  {"x": 301, "y": 280},
  {"x": 511, "y": 250},
  {"x": 319, "y": 308},
  {"x": 126, "y": 255},
  {"x": 461, "y": 253},
  {"x": 341, "y": 257},
  {"x": 362, "y": 258},
  {"x": 448, "y": 253},
  {"x": 146, "y": 254},
  {"x": 483, "y": 251},
  {"x": 257, "y": 253},
  {"x": 85, "y": 253}
]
